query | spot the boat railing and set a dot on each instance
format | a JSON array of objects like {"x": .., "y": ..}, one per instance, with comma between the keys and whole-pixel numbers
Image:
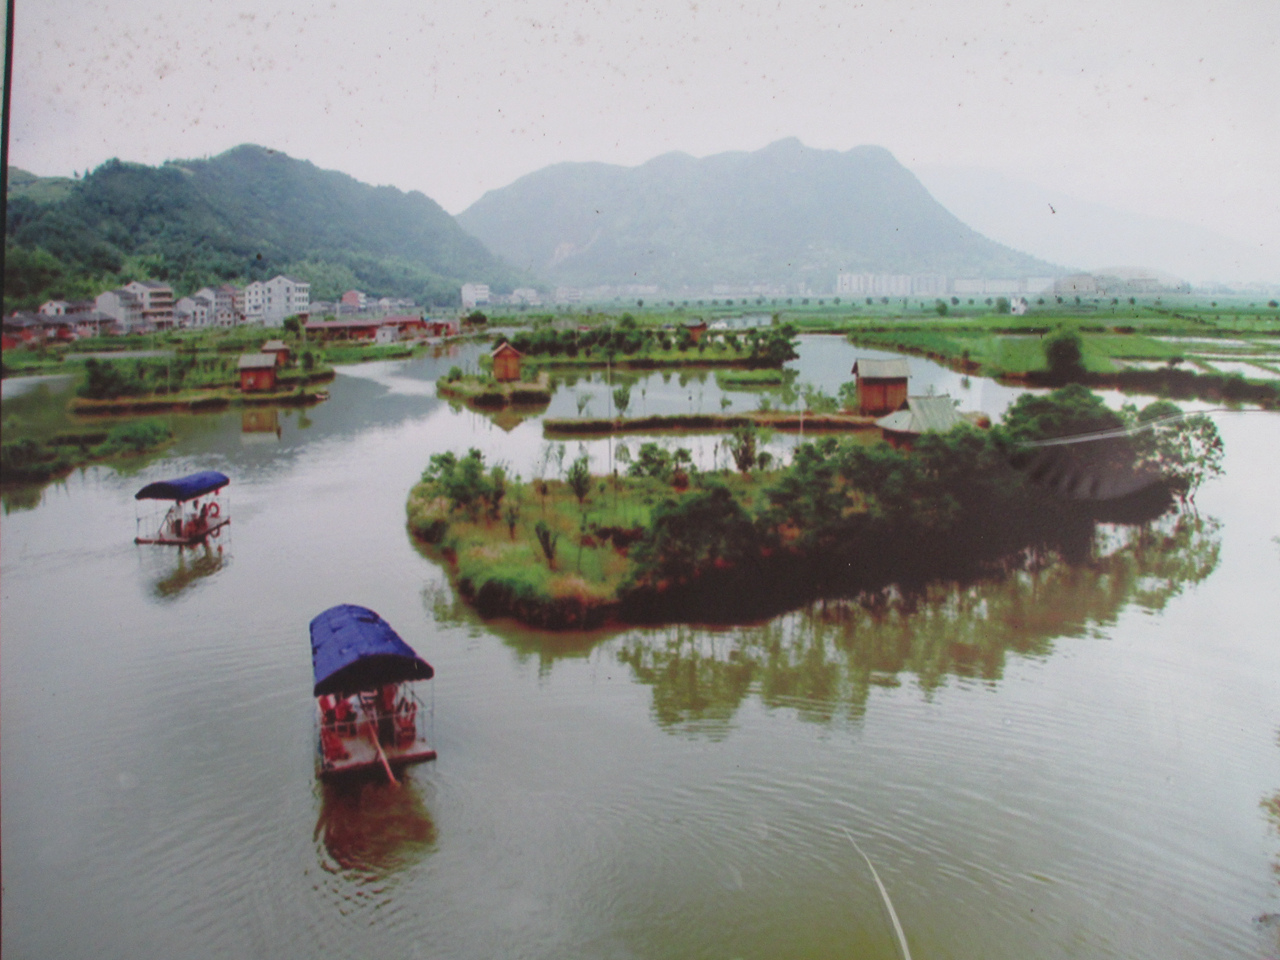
[{"x": 402, "y": 724}]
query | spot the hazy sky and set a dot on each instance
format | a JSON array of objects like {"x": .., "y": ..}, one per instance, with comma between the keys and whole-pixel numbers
[{"x": 1163, "y": 107}]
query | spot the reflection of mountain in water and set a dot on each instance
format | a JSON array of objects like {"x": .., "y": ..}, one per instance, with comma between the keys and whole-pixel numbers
[
  {"x": 824, "y": 659},
  {"x": 373, "y": 829}
]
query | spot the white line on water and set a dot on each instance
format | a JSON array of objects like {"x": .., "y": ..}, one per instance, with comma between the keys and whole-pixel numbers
[{"x": 893, "y": 915}]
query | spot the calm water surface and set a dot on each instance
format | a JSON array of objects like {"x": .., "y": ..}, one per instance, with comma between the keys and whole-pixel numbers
[{"x": 1067, "y": 762}]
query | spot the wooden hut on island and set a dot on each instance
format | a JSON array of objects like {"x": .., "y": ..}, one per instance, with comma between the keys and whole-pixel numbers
[
  {"x": 279, "y": 349},
  {"x": 257, "y": 372},
  {"x": 506, "y": 363},
  {"x": 882, "y": 385}
]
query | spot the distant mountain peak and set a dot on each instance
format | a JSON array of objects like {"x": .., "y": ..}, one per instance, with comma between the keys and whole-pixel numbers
[{"x": 785, "y": 214}]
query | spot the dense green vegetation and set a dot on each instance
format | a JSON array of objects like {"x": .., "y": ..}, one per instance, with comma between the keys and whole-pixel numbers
[
  {"x": 27, "y": 460},
  {"x": 247, "y": 214},
  {"x": 667, "y": 541},
  {"x": 629, "y": 343}
]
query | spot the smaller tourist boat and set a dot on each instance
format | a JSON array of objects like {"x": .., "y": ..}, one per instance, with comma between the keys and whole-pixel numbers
[
  {"x": 198, "y": 512},
  {"x": 369, "y": 717}
]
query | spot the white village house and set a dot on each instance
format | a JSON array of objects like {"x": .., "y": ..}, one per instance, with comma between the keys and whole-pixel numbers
[{"x": 269, "y": 301}]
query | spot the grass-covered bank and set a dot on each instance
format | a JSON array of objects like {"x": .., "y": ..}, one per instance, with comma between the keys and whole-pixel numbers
[
  {"x": 1105, "y": 360},
  {"x": 29, "y": 460},
  {"x": 196, "y": 400},
  {"x": 666, "y": 542},
  {"x": 708, "y": 422}
]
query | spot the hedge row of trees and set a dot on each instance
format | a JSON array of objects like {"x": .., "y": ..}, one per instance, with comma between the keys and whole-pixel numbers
[
  {"x": 110, "y": 379},
  {"x": 765, "y": 347}
]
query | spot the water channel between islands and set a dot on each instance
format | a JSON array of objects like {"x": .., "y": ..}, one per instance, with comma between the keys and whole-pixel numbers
[{"x": 1072, "y": 761}]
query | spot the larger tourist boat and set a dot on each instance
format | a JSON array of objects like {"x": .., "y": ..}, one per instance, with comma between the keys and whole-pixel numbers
[
  {"x": 198, "y": 512},
  {"x": 368, "y": 714}
]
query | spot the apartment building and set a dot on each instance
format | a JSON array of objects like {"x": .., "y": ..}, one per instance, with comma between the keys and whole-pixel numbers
[
  {"x": 269, "y": 301},
  {"x": 156, "y": 300}
]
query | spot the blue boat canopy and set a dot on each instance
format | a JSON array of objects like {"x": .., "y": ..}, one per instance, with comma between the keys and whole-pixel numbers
[
  {"x": 184, "y": 488},
  {"x": 354, "y": 649}
]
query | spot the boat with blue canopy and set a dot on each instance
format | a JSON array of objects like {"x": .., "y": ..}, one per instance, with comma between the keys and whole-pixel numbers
[
  {"x": 198, "y": 510},
  {"x": 369, "y": 716}
]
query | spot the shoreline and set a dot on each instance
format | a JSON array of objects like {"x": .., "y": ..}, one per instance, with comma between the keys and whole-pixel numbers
[
  {"x": 219, "y": 399},
  {"x": 662, "y": 423}
]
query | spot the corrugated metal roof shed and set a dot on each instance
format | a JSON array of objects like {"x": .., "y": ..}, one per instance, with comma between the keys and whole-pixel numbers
[
  {"x": 896, "y": 369},
  {"x": 257, "y": 361},
  {"x": 923, "y": 414}
]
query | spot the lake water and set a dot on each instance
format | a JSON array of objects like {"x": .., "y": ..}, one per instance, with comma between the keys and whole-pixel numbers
[{"x": 1073, "y": 761}]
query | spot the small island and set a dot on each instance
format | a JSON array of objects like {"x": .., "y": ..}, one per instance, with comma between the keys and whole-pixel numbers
[
  {"x": 29, "y": 460},
  {"x": 629, "y": 344},
  {"x": 666, "y": 542},
  {"x": 487, "y": 392}
]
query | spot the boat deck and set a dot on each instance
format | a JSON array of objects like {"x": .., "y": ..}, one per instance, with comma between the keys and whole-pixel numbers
[
  {"x": 361, "y": 755},
  {"x": 186, "y": 541}
]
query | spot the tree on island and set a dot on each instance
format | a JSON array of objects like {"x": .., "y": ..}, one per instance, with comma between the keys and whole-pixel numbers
[{"x": 1064, "y": 355}]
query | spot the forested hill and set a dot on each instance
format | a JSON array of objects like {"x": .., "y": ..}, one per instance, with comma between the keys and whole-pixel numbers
[
  {"x": 783, "y": 214},
  {"x": 247, "y": 214}
]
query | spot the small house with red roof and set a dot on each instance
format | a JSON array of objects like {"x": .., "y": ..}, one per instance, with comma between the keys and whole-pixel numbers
[
  {"x": 882, "y": 385},
  {"x": 278, "y": 349},
  {"x": 257, "y": 372},
  {"x": 506, "y": 362}
]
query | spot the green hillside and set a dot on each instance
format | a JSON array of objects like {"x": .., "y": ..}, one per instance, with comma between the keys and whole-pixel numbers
[
  {"x": 247, "y": 214},
  {"x": 783, "y": 214}
]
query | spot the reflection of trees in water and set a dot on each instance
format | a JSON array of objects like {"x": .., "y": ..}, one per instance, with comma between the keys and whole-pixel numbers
[
  {"x": 370, "y": 828},
  {"x": 824, "y": 659},
  {"x": 505, "y": 418},
  {"x": 24, "y": 497},
  {"x": 547, "y": 646}
]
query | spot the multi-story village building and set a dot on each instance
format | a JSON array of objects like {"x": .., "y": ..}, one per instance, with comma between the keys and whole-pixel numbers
[
  {"x": 269, "y": 301},
  {"x": 474, "y": 294},
  {"x": 65, "y": 308},
  {"x": 195, "y": 311},
  {"x": 123, "y": 307},
  {"x": 526, "y": 296},
  {"x": 156, "y": 299},
  {"x": 228, "y": 304},
  {"x": 354, "y": 301}
]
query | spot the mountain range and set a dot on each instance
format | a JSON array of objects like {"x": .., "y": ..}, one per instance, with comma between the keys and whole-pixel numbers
[{"x": 785, "y": 214}]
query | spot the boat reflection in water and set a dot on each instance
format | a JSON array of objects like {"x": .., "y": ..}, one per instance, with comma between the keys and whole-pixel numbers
[
  {"x": 193, "y": 565},
  {"x": 371, "y": 828}
]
